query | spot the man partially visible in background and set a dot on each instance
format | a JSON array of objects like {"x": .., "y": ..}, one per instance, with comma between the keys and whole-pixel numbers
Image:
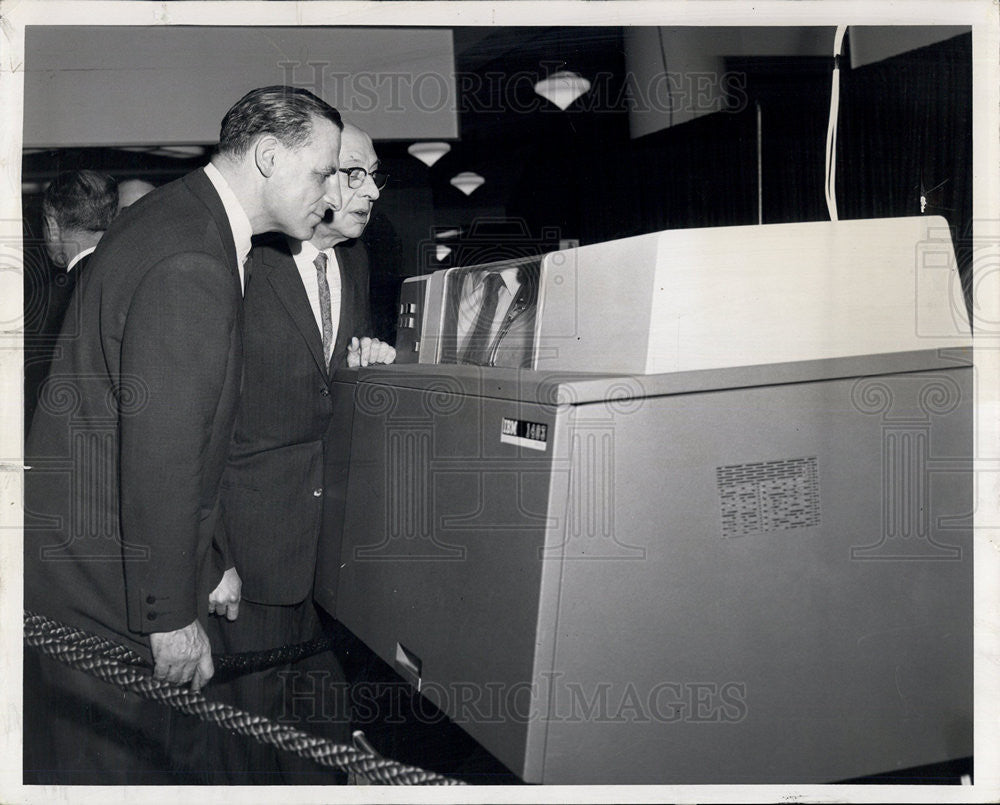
[
  {"x": 131, "y": 190},
  {"x": 77, "y": 208}
]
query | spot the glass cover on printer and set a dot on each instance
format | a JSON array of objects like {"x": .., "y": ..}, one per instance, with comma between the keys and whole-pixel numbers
[{"x": 489, "y": 314}]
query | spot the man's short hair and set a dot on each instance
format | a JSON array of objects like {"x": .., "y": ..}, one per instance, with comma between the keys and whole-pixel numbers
[
  {"x": 285, "y": 112},
  {"x": 82, "y": 199}
]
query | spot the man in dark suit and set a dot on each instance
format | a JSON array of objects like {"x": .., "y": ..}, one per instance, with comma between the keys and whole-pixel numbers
[
  {"x": 77, "y": 208},
  {"x": 133, "y": 427},
  {"x": 307, "y": 312}
]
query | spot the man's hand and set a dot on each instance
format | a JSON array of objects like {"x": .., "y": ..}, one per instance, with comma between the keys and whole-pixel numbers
[
  {"x": 225, "y": 599},
  {"x": 183, "y": 655},
  {"x": 369, "y": 351}
]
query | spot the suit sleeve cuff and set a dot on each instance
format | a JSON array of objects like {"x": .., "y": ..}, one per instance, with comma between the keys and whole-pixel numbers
[{"x": 154, "y": 612}]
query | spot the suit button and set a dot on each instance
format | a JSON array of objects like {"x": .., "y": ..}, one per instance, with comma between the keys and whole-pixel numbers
[
  {"x": 151, "y": 616},
  {"x": 325, "y": 392},
  {"x": 150, "y": 599},
  {"x": 317, "y": 493}
]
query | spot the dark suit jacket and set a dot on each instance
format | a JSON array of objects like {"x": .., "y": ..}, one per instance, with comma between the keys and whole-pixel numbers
[
  {"x": 273, "y": 486},
  {"x": 130, "y": 436},
  {"x": 45, "y": 306}
]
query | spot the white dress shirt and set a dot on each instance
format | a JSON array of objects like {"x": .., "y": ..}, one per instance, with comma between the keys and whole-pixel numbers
[
  {"x": 304, "y": 254},
  {"x": 78, "y": 258},
  {"x": 239, "y": 221}
]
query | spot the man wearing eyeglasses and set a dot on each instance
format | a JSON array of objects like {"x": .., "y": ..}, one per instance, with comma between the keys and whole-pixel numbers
[{"x": 306, "y": 313}]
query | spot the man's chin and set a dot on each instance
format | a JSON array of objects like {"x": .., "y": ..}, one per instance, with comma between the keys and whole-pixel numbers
[
  {"x": 352, "y": 232},
  {"x": 304, "y": 231}
]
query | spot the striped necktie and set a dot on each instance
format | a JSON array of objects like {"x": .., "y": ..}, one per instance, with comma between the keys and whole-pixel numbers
[
  {"x": 478, "y": 346},
  {"x": 324, "y": 305}
]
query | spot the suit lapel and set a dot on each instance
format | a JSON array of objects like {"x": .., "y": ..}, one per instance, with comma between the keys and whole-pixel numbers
[
  {"x": 278, "y": 268},
  {"x": 348, "y": 301}
]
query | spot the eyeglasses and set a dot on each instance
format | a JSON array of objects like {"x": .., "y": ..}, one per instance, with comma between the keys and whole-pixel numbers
[{"x": 356, "y": 177}]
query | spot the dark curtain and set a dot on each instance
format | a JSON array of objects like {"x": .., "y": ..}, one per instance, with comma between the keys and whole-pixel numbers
[
  {"x": 701, "y": 173},
  {"x": 905, "y": 132},
  {"x": 906, "y": 138}
]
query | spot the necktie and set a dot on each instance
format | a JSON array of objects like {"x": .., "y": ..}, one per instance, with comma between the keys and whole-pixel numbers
[
  {"x": 247, "y": 269},
  {"x": 324, "y": 305},
  {"x": 477, "y": 348}
]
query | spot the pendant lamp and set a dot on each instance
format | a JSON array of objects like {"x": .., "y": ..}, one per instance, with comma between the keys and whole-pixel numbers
[
  {"x": 429, "y": 153},
  {"x": 562, "y": 88},
  {"x": 467, "y": 181}
]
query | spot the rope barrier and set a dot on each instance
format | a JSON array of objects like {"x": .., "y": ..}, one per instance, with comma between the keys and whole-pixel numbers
[
  {"x": 226, "y": 665},
  {"x": 230, "y": 665},
  {"x": 121, "y": 666}
]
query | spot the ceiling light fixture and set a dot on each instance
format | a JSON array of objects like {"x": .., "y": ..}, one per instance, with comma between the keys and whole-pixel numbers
[
  {"x": 467, "y": 181},
  {"x": 428, "y": 153},
  {"x": 562, "y": 88}
]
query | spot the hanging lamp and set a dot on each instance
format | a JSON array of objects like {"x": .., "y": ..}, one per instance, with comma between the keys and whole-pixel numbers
[
  {"x": 467, "y": 181},
  {"x": 429, "y": 153},
  {"x": 562, "y": 88}
]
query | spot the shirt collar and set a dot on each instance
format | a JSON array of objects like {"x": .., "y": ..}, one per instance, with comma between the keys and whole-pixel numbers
[
  {"x": 305, "y": 252},
  {"x": 239, "y": 222},
  {"x": 509, "y": 277},
  {"x": 78, "y": 258}
]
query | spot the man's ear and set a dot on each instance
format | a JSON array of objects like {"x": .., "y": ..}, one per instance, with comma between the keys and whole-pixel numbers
[
  {"x": 50, "y": 227},
  {"x": 265, "y": 153}
]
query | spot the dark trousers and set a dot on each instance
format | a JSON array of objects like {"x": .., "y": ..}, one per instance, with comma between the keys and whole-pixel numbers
[
  {"x": 310, "y": 695},
  {"x": 79, "y": 730}
]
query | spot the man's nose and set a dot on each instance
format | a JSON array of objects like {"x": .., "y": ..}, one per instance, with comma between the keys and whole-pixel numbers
[
  {"x": 369, "y": 189},
  {"x": 332, "y": 195}
]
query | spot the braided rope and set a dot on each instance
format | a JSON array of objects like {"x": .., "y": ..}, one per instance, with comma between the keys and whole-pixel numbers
[
  {"x": 121, "y": 666},
  {"x": 246, "y": 661},
  {"x": 226, "y": 665}
]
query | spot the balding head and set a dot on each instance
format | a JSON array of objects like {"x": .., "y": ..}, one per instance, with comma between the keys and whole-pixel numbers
[
  {"x": 355, "y": 144},
  {"x": 356, "y": 151},
  {"x": 131, "y": 190}
]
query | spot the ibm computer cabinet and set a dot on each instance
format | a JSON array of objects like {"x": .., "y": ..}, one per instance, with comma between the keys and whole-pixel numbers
[{"x": 683, "y": 571}]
